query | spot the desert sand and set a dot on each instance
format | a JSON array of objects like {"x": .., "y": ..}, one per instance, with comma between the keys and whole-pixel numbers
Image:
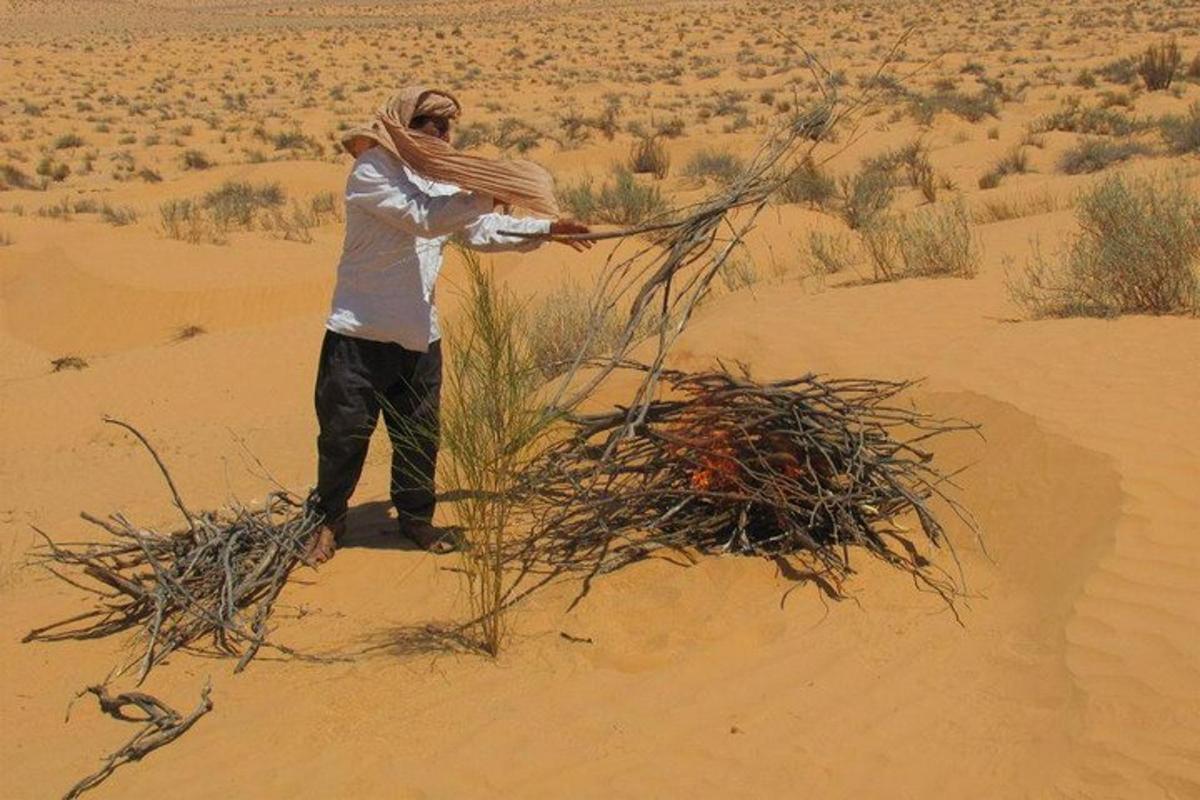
[{"x": 1075, "y": 671}]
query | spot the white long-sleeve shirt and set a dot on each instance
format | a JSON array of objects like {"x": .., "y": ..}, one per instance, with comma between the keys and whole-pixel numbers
[{"x": 397, "y": 224}]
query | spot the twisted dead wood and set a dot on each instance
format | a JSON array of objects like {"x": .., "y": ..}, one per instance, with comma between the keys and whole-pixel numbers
[{"x": 163, "y": 725}]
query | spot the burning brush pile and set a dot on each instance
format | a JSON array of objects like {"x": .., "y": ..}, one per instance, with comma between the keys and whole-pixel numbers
[{"x": 800, "y": 470}]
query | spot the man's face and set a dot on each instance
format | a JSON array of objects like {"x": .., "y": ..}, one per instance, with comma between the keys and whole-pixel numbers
[{"x": 434, "y": 126}]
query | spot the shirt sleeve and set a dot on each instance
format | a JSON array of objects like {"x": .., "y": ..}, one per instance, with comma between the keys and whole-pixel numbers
[
  {"x": 484, "y": 234},
  {"x": 392, "y": 197}
]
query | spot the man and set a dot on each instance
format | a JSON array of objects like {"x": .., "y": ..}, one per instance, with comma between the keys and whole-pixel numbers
[{"x": 408, "y": 192}]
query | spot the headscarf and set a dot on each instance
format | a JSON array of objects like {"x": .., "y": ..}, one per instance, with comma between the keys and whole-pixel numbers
[{"x": 513, "y": 182}]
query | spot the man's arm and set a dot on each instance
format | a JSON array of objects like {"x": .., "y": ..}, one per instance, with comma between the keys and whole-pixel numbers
[
  {"x": 393, "y": 198},
  {"x": 484, "y": 233}
]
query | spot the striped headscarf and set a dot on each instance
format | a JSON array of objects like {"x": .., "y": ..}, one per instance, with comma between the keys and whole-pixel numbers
[{"x": 513, "y": 182}]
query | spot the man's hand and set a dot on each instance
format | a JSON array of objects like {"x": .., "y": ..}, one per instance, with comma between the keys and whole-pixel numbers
[{"x": 566, "y": 226}]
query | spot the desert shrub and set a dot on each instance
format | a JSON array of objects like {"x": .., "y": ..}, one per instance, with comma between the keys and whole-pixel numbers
[
  {"x": 1182, "y": 133},
  {"x": 737, "y": 273},
  {"x": 472, "y": 135},
  {"x": 566, "y": 324},
  {"x": 1159, "y": 64},
  {"x": 68, "y": 141},
  {"x": 118, "y": 215},
  {"x": 513, "y": 134},
  {"x": 971, "y": 107},
  {"x": 929, "y": 243},
  {"x": 808, "y": 184},
  {"x": 1014, "y": 162},
  {"x": 1093, "y": 154},
  {"x": 13, "y": 177},
  {"x": 1137, "y": 251},
  {"x": 235, "y": 203},
  {"x": 864, "y": 196},
  {"x": 720, "y": 165},
  {"x": 295, "y": 141},
  {"x": 187, "y": 221},
  {"x": 648, "y": 155},
  {"x": 195, "y": 159},
  {"x": 326, "y": 205},
  {"x": 1074, "y": 118},
  {"x": 621, "y": 200},
  {"x": 1120, "y": 70},
  {"x": 149, "y": 175},
  {"x": 829, "y": 253},
  {"x": 294, "y": 225},
  {"x": 671, "y": 128},
  {"x": 52, "y": 169}
]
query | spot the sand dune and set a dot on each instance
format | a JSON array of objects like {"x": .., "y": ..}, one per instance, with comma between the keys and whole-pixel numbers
[{"x": 1075, "y": 671}]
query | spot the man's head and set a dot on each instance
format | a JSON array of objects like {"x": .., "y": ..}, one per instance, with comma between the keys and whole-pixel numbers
[{"x": 434, "y": 126}]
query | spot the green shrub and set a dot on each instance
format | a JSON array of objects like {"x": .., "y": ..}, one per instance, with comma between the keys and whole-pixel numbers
[
  {"x": 971, "y": 107},
  {"x": 829, "y": 253},
  {"x": 864, "y": 195},
  {"x": 13, "y": 177},
  {"x": 622, "y": 200},
  {"x": 1159, "y": 64},
  {"x": 54, "y": 170},
  {"x": 235, "y": 203},
  {"x": 567, "y": 324},
  {"x": 929, "y": 243},
  {"x": 1120, "y": 70},
  {"x": 721, "y": 165},
  {"x": 195, "y": 159},
  {"x": 118, "y": 215},
  {"x": 1074, "y": 118},
  {"x": 1014, "y": 162},
  {"x": 1137, "y": 252},
  {"x": 808, "y": 184},
  {"x": 326, "y": 205},
  {"x": 68, "y": 141},
  {"x": 1182, "y": 133},
  {"x": 187, "y": 221},
  {"x": 472, "y": 135},
  {"x": 1093, "y": 155}
]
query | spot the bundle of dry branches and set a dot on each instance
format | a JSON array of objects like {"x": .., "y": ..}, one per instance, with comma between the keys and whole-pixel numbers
[
  {"x": 800, "y": 470},
  {"x": 163, "y": 725},
  {"x": 211, "y": 586}
]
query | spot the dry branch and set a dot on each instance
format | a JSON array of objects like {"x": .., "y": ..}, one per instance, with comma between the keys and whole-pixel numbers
[
  {"x": 163, "y": 725},
  {"x": 211, "y": 586},
  {"x": 800, "y": 470}
]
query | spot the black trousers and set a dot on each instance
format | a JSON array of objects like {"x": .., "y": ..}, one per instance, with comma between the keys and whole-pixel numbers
[{"x": 357, "y": 380}]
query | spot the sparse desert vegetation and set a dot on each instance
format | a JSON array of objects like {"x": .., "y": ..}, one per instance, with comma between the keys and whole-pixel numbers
[{"x": 1011, "y": 212}]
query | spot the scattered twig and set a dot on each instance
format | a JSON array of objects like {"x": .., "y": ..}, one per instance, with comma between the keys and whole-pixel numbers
[{"x": 163, "y": 725}]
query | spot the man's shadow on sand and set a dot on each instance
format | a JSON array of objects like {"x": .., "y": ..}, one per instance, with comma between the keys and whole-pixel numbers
[{"x": 372, "y": 525}]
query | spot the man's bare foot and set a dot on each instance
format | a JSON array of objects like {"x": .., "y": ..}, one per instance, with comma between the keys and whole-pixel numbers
[
  {"x": 430, "y": 537},
  {"x": 323, "y": 545}
]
